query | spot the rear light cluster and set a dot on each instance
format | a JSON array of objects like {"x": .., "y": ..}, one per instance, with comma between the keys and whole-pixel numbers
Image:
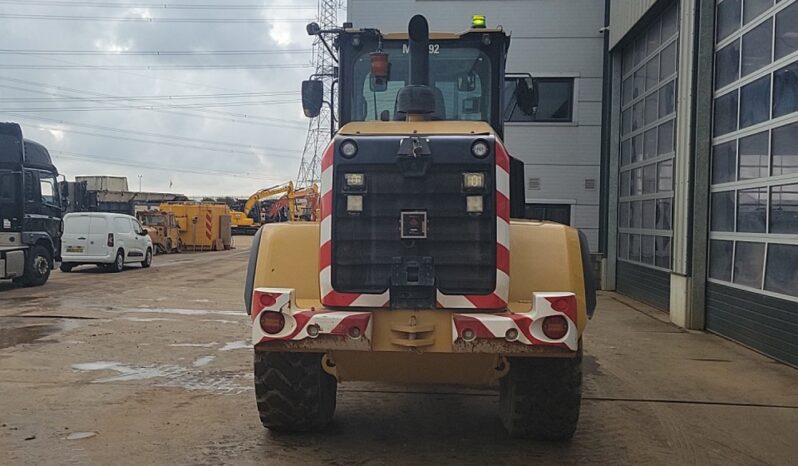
[
  {"x": 272, "y": 322},
  {"x": 110, "y": 240},
  {"x": 555, "y": 327}
]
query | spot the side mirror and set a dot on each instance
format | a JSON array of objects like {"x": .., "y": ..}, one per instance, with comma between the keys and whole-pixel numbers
[
  {"x": 312, "y": 97},
  {"x": 467, "y": 82},
  {"x": 526, "y": 96}
]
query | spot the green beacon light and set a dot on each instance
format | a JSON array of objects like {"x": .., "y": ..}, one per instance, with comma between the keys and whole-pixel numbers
[{"x": 478, "y": 22}]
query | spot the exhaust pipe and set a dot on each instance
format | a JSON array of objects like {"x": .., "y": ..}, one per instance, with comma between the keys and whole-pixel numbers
[{"x": 417, "y": 99}]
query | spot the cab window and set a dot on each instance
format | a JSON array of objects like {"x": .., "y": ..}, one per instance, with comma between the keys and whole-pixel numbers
[
  {"x": 460, "y": 78},
  {"x": 47, "y": 189}
]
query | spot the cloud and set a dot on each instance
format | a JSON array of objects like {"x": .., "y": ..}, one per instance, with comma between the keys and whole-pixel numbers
[{"x": 263, "y": 140}]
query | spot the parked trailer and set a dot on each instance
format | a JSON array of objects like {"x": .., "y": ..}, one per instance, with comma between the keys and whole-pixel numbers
[{"x": 202, "y": 226}]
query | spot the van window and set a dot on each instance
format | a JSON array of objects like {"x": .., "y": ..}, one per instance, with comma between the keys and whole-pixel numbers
[
  {"x": 76, "y": 225},
  {"x": 122, "y": 225}
]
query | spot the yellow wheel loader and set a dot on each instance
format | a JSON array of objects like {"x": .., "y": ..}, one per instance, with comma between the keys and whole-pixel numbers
[{"x": 416, "y": 272}]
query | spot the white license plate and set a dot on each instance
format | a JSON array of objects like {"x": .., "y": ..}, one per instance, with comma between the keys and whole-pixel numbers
[{"x": 74, "y": 248}]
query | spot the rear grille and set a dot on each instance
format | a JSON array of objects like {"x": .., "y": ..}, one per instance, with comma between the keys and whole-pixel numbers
[{"x": 462, "y": 246}]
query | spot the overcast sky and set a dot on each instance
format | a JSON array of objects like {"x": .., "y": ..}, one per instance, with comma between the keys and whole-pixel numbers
[{"x": 260, "y": 145}]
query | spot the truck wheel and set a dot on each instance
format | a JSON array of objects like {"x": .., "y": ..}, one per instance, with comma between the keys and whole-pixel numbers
[
  {"x": 119, "y": 262},
  {"x": 147, "y": 259},
  {"x": 169, "y": 246},
  {"x": 540, "y": 397},
  {"x": 66, "y": 267},
  {"x": 293, "y": 392},
  {"x": 37, "y": 267}
]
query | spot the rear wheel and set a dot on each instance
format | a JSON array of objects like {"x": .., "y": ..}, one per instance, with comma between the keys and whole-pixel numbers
[
  {"x": 147, "y": 259},
  {"x": 66, "y": 267},
  {"x": 169, "y": 246},
  {"x": 540, "y": 397},
  {"x": 119, "y": 262},
  {"x": 37, "y": 267},
  {"x": 293, "y": 392}
]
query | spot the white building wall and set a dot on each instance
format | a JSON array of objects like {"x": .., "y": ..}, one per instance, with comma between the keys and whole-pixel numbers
[{"x": 553, "y": 38}]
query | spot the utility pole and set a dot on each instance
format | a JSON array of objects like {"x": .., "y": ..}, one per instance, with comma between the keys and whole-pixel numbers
[
  {"x": 319, "y": 128},
  {"x": 139, "y": 183}
]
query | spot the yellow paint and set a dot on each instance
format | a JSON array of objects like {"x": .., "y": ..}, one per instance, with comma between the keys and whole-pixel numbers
[
  {"x": 439, "y": 35},
  {"x": 191, "y": 218},
  {"x": 410, "y": 367},
  {"x": 543, "y": 257},
  {"x": 375, "y": 127}
]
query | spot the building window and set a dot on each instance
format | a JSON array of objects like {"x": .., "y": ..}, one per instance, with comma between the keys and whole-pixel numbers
[
  {"x": 555, "y": 99},
  {"x": 647, "y": 150},
  {"x": 754, "y": 200}
]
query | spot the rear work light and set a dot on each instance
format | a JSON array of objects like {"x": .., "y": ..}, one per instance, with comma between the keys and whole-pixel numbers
[
  {"x": 474, "y": 204},
  {"x": 272, "y": 322},
  {"x": 110, "y": 240},
  {"x": 555, "y": 327}
]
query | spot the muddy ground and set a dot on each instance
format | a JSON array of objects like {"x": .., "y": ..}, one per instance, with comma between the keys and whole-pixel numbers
[{"x": 153, "y": 367}]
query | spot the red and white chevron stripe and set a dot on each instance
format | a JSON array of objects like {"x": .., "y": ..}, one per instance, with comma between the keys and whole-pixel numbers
[
  {"x": 496, "y": 300},
  {"x": 304, "y": 323},
  {"x": 525, "y": 328}
]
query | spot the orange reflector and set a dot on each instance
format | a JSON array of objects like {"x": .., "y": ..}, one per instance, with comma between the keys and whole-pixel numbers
[
  {"x": 555, "y": 327},
  {"x": 272, "y": 322}
]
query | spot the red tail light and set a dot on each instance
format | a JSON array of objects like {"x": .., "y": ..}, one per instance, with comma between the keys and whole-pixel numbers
[
  {"x": 564, "y": 304},
  {"x": 555, "y": 327},
  {"x": 267, "y": 299},
  {"x": 272, "y": 322},
  {"x": 110, "y": 240}
]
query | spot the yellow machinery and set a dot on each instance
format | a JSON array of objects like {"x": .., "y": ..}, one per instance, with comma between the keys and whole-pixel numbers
[
  {"x": 291, "y": 205},
  {"x": 415, "y": 272},
  {"x": 202, "y": 226},
  {"x": 163, "y": 230}
]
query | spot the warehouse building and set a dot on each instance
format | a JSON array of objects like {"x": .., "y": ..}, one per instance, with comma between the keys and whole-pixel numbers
[{"x": 679, "y": 156}]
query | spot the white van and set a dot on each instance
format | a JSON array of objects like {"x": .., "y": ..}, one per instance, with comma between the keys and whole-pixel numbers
[{"x": 107, "y": 240}]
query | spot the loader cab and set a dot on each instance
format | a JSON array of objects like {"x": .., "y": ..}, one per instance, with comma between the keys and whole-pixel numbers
[{"x": 465, "y": 73}]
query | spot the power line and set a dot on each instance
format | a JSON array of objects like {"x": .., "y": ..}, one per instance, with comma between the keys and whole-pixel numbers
[
  {"x": 157, "y": 53},
  {"x": 141, "y": 133},
  {"x": 155, "y": 67},
  {"x": 148, "y": 166},
  {"x": 177, "y": 97},
  {"x": 167, "y": 6},
  {"x": 255, "y": 120},
  {"x": 127, "y": 19},
  {"x": 173, "y": 144}
]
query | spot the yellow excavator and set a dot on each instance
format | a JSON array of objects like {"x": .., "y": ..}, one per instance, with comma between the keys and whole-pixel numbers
[{"x": 292, "y": 205}]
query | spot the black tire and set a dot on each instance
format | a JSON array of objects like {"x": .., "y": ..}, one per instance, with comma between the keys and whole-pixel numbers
[
  {"x": 119, "y": 262},
  {"x": 179, "y": 245},
  {"x": 147, "y": 262},
  {"x": 66, "y": 267},
  {"x": 540, "y": 398},
  {"x": 169, "y": 247},
  {"x": 37, "y": 267},
  {"x": 293, "y": 392}
]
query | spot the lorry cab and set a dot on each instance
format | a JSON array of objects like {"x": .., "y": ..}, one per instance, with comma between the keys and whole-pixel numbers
[
  {"x": 30, "y": 209},
  {"x": 104, "y": 239}
]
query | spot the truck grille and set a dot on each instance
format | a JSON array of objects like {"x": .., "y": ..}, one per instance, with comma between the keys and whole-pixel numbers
[{"x": 462, "y": 246}]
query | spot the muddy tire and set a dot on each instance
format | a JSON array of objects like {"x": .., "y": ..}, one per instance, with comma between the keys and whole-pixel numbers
[
  {"x": 293, "y": 392},
  {"x": 540, "y": 397},
  {"x": 66, "y": 267},
  {"x": 147, "y": 262},
  {"x": 37, "y": 267},
  {"x": 169, "y": 248},
  {"x": 119, "y": 262}
]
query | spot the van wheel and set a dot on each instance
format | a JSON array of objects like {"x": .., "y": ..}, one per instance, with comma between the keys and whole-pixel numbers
[
  {"x": 293, "y": 392},
  {"x": 119, "y": 262},
  {"x": 37, "y": 267},
  {"x": 66, "y": 267},
  {"x": 147, "y": 259},
  {"x": 540, "y": 397}
]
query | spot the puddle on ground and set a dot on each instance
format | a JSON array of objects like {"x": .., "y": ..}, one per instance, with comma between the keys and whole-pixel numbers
[
  {"x": 234, "y": 345},
  {"x": 80, "y": 435},
  {"x": 184, "y": 312},
  {"x": 223, "y": 321},
  {"x": 147, "y": 319},
  {"x": 167, "y": 375},
  {"x": 203, "y": 361},
  {"x": 197, "y": 345},
  {"x": 21, "y": 330}
]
